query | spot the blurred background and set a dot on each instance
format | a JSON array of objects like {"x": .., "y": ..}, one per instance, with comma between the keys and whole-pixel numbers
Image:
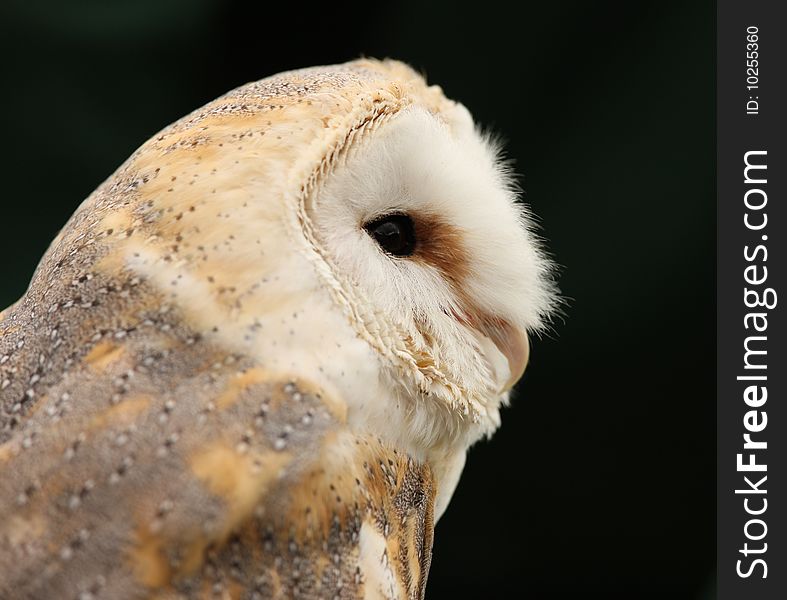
[{"x": 601, "y": 482}]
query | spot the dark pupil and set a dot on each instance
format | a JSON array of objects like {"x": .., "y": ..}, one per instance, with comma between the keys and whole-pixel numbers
[{"x": 394, "y": 233}]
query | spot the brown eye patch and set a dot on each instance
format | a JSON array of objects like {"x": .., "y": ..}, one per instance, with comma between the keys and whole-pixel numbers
[{"x": 440, "y": 245}]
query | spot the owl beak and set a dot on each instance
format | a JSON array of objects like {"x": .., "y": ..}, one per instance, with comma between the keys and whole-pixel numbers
[
  {"x": 515, "y": 346},
  {"x": 507, "y": 349}
]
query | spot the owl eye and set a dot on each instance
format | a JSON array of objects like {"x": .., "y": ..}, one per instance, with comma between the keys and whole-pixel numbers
[{"x": 394, "y": 233}]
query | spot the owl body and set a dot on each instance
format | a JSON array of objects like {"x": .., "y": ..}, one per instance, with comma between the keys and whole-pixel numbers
[{"x": 225, "y": 382}]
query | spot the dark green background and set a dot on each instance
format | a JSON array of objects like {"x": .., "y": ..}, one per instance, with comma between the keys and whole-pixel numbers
[{"x": 601, "y": 480}]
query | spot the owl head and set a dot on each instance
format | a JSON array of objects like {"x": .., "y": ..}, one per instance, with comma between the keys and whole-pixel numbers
[
  {"x": 418, "y": 224},
  {"x": 420, "y": 227},
  {"x": 347, "y": 225}
]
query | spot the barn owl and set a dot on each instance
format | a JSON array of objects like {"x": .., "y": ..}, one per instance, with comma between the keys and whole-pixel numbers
[{"x": 252, "y": 362}]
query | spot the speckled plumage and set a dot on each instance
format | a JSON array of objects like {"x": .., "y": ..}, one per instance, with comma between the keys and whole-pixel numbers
[{"x": 177, "y": 411}]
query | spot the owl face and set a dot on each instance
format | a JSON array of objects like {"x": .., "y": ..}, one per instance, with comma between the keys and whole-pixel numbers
[{"x": 420, "y": 227}]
